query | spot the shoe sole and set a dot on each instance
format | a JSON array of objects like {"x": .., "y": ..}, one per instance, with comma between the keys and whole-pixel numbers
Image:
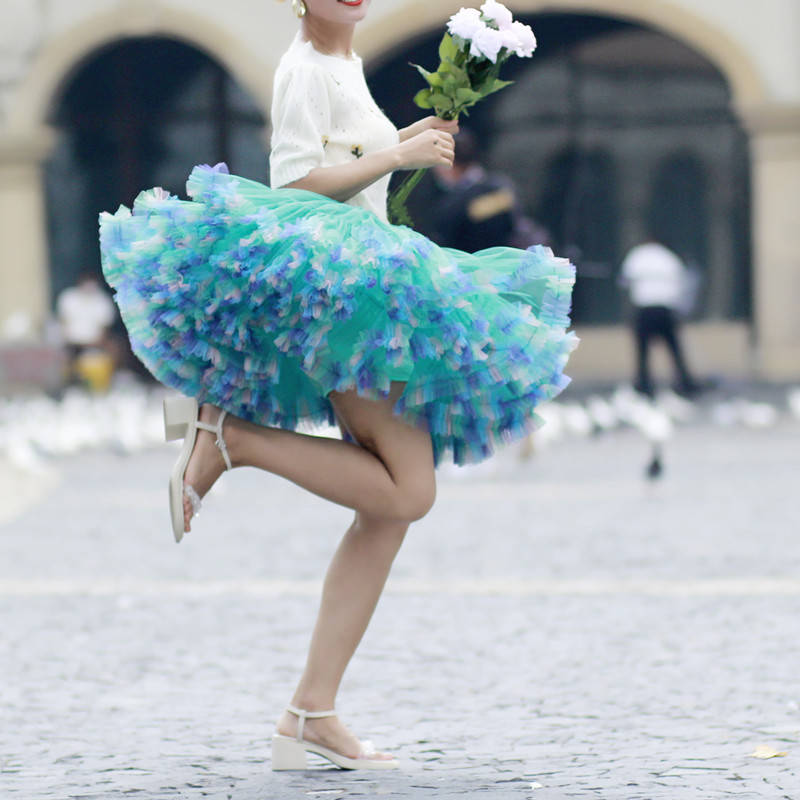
[
  {"x": 180, "y": 418},
  {"x": 289, "y": 754}
]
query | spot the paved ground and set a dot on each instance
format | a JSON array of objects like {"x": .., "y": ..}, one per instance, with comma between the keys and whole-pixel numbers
[{"x": 557, "y": 628}]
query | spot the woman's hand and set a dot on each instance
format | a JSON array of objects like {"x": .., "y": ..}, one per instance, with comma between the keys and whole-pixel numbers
[
  {"x": 429, "y": 123},
  {"x": 431, "y": 148}
]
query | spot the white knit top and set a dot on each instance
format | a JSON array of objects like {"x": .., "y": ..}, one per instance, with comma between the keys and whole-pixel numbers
[{"x": 323, "y": 116}]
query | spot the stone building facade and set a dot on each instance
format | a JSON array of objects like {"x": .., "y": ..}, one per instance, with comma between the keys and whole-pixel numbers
[{"x": 44, "y": 44}]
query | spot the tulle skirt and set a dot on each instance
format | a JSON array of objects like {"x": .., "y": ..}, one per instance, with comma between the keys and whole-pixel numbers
[{"x": 264, "y": 301}]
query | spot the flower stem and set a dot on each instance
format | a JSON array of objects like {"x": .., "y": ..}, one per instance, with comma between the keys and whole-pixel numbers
[{"x": 398, "y": 213}]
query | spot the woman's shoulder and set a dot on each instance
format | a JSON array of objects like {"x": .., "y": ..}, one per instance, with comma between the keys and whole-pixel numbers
[
  {"x": 303, "y": 59},
  {"x": 298, "y": 59},
  {"x": 301, "y": 81}
]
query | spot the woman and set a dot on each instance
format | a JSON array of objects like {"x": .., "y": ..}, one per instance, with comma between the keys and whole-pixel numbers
[{"x": 277, "y": 307}]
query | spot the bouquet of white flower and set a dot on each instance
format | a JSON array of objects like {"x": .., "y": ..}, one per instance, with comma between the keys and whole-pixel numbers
[{"x": 476, "y": 44}]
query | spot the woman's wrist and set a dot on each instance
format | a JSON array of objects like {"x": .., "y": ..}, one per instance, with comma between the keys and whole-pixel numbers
[
  {"x": 412, "y": 130},
  {"x": 396, "y": 161},
  {"x": 405, "y": 133}
]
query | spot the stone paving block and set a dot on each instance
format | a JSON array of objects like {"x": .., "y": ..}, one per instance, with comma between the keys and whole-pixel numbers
[{"x": 556, "y": 628}]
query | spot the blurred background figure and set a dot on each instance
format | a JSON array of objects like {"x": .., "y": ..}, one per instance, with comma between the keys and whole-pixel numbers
[
  {"x": 477, "y": 208},
  {"x": 85, "y": 314},
  {"x": 660, "y": 288}
]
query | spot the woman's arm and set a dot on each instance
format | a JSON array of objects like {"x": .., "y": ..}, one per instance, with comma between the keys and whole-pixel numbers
[
  {"x": 427, "y": 143},
  {"x": 426, "y": 123}
]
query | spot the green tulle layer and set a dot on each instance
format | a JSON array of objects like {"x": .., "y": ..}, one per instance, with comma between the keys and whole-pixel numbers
[{"x": 264, "y": 301}]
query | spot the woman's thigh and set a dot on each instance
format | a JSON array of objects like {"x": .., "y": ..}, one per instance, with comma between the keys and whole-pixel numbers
[{"x": 406, "y": 451}]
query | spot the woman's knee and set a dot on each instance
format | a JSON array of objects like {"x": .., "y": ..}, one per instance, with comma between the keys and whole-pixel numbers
[
  {"x": 401, "y": 507},
  {"x": 417, "y": 503}
]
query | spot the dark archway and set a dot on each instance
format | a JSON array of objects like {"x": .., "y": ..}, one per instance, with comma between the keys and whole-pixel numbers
[
  {"x": 678, "y": 207},
  {"x": 610, "y": 128},
  {"x": 139, "y": 113}
]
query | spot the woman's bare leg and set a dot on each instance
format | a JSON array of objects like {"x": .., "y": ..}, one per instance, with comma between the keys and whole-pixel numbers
[
  {"x": 359, "y": 569},
  {"x": 388, "y": 474},
  {"x": 388, "y": 478},
  {"x": 351, "y": 591}
]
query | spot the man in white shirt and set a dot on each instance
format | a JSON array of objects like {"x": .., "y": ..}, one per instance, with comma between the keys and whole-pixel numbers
[
  {"x": 85, "y": 313},
  {"x": 658, "y": 283}
]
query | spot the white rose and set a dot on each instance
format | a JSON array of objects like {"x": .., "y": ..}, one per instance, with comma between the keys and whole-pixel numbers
[
  {"x": 510, "y": 39},
  {"x": 487, "y": 43},
  {"x": 526, "y": 41},
  {"x": 466, "y": 23},
  {"x": 497, "y": 13}
]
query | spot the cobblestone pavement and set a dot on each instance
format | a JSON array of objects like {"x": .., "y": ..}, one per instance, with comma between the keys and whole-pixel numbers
[{"x": 558, "y": 627}]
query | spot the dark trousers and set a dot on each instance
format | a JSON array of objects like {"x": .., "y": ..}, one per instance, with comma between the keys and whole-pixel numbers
[{"x": 653, "y": 323}]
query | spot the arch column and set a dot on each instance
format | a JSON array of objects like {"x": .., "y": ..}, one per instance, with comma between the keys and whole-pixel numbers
[
  {"x": 775, "y": 143},
  {"x": 26, "y": 142},
  {"x": 24, "y": 274}
]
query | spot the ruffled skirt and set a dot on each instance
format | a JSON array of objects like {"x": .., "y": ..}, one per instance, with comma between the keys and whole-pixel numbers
[{"x": 264, "y": 301}]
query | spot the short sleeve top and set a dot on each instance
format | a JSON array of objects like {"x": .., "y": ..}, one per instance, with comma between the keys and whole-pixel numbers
[{"x": 323, "y": 115}]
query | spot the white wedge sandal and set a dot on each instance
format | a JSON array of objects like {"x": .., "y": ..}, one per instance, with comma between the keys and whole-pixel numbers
[
  {"x": 291, "y": 753},
  {"x": 180, "y": 422}
]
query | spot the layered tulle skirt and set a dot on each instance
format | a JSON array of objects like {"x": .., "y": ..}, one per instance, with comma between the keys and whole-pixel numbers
[{"x": 263, "y": 302}]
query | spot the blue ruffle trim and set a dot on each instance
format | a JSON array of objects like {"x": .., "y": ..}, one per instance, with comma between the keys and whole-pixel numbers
[{"x": 264, "y": 301}]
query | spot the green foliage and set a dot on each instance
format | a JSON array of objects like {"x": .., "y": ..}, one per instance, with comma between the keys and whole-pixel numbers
[{"x": 458, "y": 83}]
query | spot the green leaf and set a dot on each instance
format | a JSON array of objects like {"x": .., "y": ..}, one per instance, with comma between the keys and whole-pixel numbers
[
  {"x": 467, "y": 96},
  {"x": 459, "y": 73},
  {"x": 398, "y": 213},
  {"x": 432, "y": 78},
  {"x": 422, "y": 71},
  {"x": 441, "y": 101},
  {"x": 423, "y": 98},
  {"x": 447, "y": 48},
  {"x": 450, "y": 85},
  {"x": 490, "y": 87}
]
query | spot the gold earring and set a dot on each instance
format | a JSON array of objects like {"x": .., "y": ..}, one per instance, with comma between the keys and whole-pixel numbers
[{"x": 299, "y": 8}]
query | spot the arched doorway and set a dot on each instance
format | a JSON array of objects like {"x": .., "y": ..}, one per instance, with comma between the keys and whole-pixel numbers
[
  {"x": 611, "y": 129},
  {"x": 139, "y": 113}
]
